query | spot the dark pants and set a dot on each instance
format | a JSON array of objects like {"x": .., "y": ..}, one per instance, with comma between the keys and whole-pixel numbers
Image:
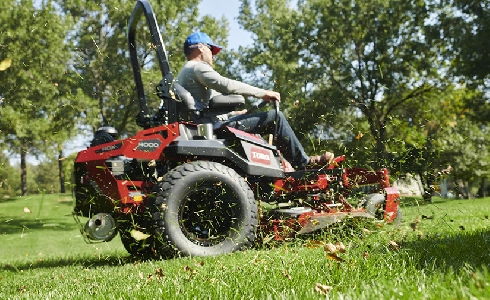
[{"x": 264, "y": 123}]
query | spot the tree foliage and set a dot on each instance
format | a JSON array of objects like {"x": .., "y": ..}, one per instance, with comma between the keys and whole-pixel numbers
[
  {"x": 370, "y": 75},
  {"x": 37, "y": 108},
  {"x": 101, "y": 54},
  {"x": 327, "y": 55},
  {"x": 9, "y": 178}
]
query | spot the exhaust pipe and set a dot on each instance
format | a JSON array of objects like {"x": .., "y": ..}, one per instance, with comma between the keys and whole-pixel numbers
[{"x": 101, "y": 227}]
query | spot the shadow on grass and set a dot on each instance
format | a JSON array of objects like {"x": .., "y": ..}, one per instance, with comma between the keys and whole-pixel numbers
[
  {"x": 81, "y": 261},
  {"x": 407, "y": 201},
  {"x": 7, "y": 199},
  {"x": 454, "y": 252},
  {"x": 15, "y": 226}
]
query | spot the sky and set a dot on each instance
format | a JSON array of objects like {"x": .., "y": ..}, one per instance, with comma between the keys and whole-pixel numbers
[{"x": 229, "y": 9}]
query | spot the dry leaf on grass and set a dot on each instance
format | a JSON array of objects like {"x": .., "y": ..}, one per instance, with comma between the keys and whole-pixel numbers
[
  {"x": 323, "y": 289},
  {"x": 27, "y": 210},
  {"x": 335, "y": 257},
  {"x": 199, "y": 264},
  {"x": 331, "y": 251},
  {"x": 191, "y": 271},
  {"x": 330, "y": 248},
  {"x": 414, "y": 226},
  {"x": 159, "y": 273},
  {"x": 366, "y": 231},
  {"x": 313, "y": 244},
  {"x": 393, "y": 245},
  {"x": 340, "y": 247}
]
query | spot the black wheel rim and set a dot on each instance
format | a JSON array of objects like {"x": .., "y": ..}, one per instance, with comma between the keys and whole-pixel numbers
[{"x": 208, "y": 214}]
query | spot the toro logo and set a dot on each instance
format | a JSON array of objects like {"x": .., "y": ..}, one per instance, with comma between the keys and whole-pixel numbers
[
  {"x": 149, "y": 145},
  {"x": 261, "y": 156},
  {"x": 109, "y": 148}
]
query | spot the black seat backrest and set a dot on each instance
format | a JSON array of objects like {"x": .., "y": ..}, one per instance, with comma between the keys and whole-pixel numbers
[{"x": 218, "y": 102}]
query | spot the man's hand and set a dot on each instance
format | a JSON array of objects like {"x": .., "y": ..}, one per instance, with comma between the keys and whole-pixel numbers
[
  {"x": 271, "y": 96},
  {"x": 238, "y": 112}
]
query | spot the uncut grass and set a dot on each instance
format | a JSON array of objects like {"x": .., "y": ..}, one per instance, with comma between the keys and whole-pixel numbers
[{"x": 435, "y": 259}]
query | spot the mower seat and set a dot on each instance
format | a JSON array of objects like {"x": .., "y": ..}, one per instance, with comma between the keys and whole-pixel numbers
[{"x": 218, "y": 104}]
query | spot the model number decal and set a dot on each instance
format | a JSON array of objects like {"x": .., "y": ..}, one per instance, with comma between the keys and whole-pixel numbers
[{"x": 149, "y": 145}]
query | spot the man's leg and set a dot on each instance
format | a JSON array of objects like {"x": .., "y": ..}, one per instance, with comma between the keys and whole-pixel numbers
[{"x": 264, "y": 123}]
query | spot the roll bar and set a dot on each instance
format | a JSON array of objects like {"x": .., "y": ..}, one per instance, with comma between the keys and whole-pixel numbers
[{"x": 168, "y": 112}]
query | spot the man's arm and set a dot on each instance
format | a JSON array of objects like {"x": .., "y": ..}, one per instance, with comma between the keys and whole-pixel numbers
[{"x": 208, "y": 77}]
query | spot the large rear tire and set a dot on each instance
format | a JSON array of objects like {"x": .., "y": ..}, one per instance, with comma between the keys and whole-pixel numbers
[{"x": 204, "y": 209}]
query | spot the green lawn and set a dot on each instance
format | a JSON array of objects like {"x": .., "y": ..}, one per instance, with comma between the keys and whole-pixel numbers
[{"x": 440, "y": 251}]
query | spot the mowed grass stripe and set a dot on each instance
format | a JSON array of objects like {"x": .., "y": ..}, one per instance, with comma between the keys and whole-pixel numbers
[{"x": 440, "y": 251}]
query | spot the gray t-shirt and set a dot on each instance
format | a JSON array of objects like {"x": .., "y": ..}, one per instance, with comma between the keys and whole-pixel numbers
[{"x": 204, "y": 83}]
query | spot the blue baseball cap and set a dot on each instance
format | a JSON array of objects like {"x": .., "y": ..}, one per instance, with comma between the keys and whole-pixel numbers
[{"x": 200, "y": 38}]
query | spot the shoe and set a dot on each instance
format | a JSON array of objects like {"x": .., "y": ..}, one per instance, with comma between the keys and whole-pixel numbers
[{"x": 320, "y": 160}]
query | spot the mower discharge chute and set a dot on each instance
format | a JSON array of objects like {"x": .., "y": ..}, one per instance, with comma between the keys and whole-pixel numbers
[{"x": 182, "y": 188}]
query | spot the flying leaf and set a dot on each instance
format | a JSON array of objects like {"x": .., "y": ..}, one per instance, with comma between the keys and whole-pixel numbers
[
  {"x": 138, "y": 235},
  {"x": 323, "y": 289},
  {"x": 5, "y": 64},
  {"x": 359, "y": 135}
]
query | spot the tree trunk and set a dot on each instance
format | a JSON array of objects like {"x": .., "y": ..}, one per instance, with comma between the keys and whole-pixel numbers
[
  {"x": 468, "y": 187},
  {"x": 427, "y": 180},
  {"x": 381, "y": 146},
  {"x": 23, "y": 171},
  {"x": 378, "y": 130},
  {"x": 61, "y": 174},
  {"x": 482, "y": 191}
]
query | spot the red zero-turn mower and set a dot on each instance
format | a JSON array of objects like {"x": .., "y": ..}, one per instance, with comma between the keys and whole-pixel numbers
[{"x": 188, "y": 189}]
